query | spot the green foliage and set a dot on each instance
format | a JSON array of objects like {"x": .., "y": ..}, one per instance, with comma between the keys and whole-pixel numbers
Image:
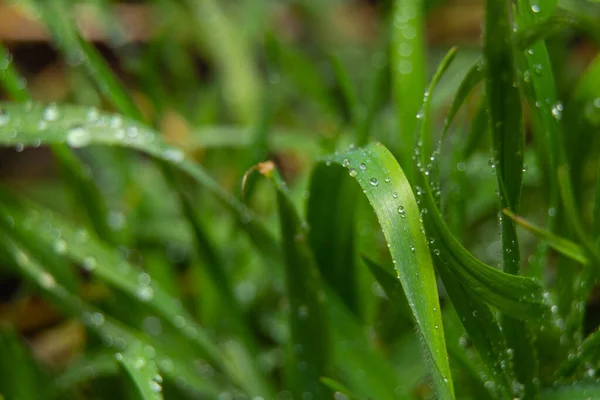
[{"x": 439, "y": 275}]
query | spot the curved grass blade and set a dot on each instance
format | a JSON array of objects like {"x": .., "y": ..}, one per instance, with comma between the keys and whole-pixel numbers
[
  {"x": 563, "y": 246},
  {"x": 142, "y": 371},
  {"x": 308, "y": 324},
  {"x": 390, "y": 195},
  {"x": 80, "y": 127}
]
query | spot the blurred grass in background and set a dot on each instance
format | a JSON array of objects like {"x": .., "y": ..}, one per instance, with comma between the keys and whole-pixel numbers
[{"x": 148, "y": 250}]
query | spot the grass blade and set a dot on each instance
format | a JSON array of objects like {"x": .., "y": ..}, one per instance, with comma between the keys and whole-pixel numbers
[
  {"x": 308, "y": 323},
  {"x": 473, "y": 77},
  {"x": 408, "y": 76},
  {"x": 563, "y": 246},
  {"x": 142, "y": 371},
  {"x": 390, "y": 195}
]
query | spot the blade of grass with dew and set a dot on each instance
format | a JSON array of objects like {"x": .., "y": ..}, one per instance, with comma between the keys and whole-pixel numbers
[
  {"x": 390, "y": 195},
  {"x": 408, "y": 76},
  {"x": 480, "y": 324},
  {"x": 587, "y": 351},
  {"x": 142, "y": 372},
  {"x": 81, "y": 126},
  {"x": 20, "y": 377},
  {"x": 539, "y": 83},
  {"x": 506, "y": 120},
  {"x": 309, "y": 330},
  {"x": 82, "y": 189},
  {"x": 110, "y": 331},
  {"x": 544, "y": 28},
  {"x": 518, "y": 296},
  {"x": 564, "y": 246}
]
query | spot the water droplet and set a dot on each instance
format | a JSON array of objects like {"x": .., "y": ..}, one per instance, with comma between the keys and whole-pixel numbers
[
  {"x": 524, "y": 167},
  {"x": 60, "y": 246},
  {"x": 352, "y": 172},
  {"x": 4, "y": 117},
  {"x": 303, "y": 312},
  {"x": 78, "y": 136},
  {"x": 412, "y": 248},
  {"x": 174, "y": 155},
  {"x": 387, "y": 180},
  {"x": 51, "y": 112},
  {"x": 144, "y": 293},
  {"x": 362, "y": 167},
  {"x": 535, "y": 8},
  {"x": 373, "y": 182},
  {"x": 552, "y": 212},
  {"x": 346, "y": 163},
  {"x": 401, "y": 211},
  {"x": 155, "y": 387},
  {"x": 395, "y": 195},
  {"x": 557, "y": 111},
  {"x": 47, "y": 281}
]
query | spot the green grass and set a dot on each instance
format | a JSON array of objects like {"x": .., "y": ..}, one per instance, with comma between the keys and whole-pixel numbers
[{"x": 319, "y": 221}]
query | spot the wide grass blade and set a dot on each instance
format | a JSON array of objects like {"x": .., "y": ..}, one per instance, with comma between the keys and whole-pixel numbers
[
  {"x": 142, "y": 372},
  {"x": 309, "y": 330},
  {"x": 390, "y": 195}
]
